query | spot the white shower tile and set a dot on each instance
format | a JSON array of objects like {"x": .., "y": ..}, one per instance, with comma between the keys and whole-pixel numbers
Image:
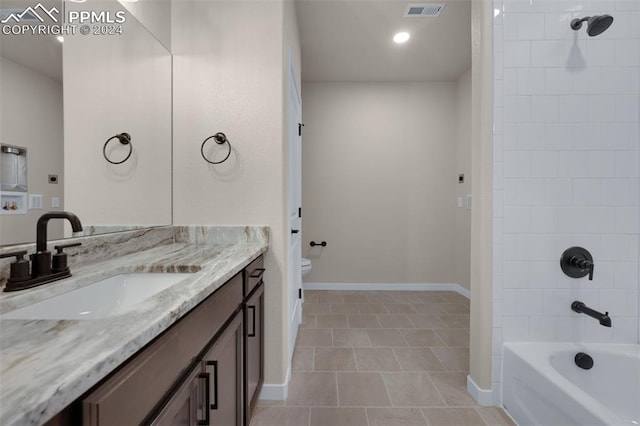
[
  {"x": 533, "y": 247},
  {"x": 627, "y": 107},
  {"x": 515, "y": 329},
  {"x": 587, "y": 136},
  {"x": 620, "y": 80},
  {"x": 626, "y": 275},
  {"x": 626, "y": 164},
  {"x": 544, "y": 274},
  {"x": 531, "y": 81},
  {"x": 572, "y": 164},
  {"x": 517, "y": 164},
  {"x": 587, "y": 192},
  {"x": 517, "y": 109},
  {"x": 596, "y": 333},
  {"x": 516, "y": 275},
  {"x": 542, "y": 329},
  {"x": 531, "y": 136},
  {"x": 587, "y": 81},
  {"x": 517, "y": 54},
  {"x": 600, "y": 53},
  {"x": 627, "y": 220},
  {"x": 558, "y": 192},
  {"x": 556, "y": 25},
  {"x": 531, "y": 192},
  {"x": 544, "y": 220},
  {"x": 530, "y": 26},
  {"x": 601, "y": 108},
  {"x": 615, "y": 301},
  {"x": 546, "y": 53},
  {"x": 544, "y": 109},
  {"x": 625, "y": 330},
  {"x": 572, "y": 219},
  {"x": 601, "y": 219},
  {"x": 627, "y": 53},
  {"x": 616, "y": 247},
  {"x": 556, "y": 301},
  {"x": 570, "y": 328},
  {"x": 559, "y": 136},
  {"x": 517, "y": 220},
  {"x": 616, "y": 192},
  {"x": 509, "y": 302},
  {"x": 544, "y": 164},
  {"x": 510, "y": 81},
  {"x": 601, "y": 164},
  {"x": 509, "y": 247},
  {"x": 557, "y": 81},
  {"x": 572, "y": 109}
]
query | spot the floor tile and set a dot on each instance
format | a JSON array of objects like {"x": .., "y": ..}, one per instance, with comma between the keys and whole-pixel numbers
[
  {"x": 308, "y": 321},
  {"x": 428, "y": 308},
  {"x": 494, "y": 416},
  {"x": 426, "y": 321},
  {"x": 399, "y": 308},
  {"x": 363, "y": 321},
  {"x": 417, "y": 359},
  {"x": 386, "y": 337},
  {"x": 339, "y": 416},
  {"x": 454, "y": 298},
  {"x": 456, "y": 308},
  {"x": 454, "y": 336},
  {"x": 406, "y": 296},
  {"x": 452, "y": 416},
  {"x": 376, "y": 359},
  {"x": 422, "y": 337},
  {"x": 355, "y": 298},
  {"x": 312, "y": 389},
  {"x": 344, "y": 308},
  {"x": 453, "y": 359},
  {"x": 394, "y": 321},
  {"x": 453, "y": 388},
  {"x": 328, "y": 297},
  {"x": 334, "y": 359},
  {"x": 302, "y": 358},
  {"x": 281, "y": 416},
  {"x": 314, "y": 337},
  {"x": 455, "y": 320},
  {"x": 380, "y": 297},
  {"x": 395, "y": 417},
  {"x": 362, "y": 390},
  {"x": 310, "y": 296},
  {"x": 433, "y": 297},
  {"x": 331, "y": 321},
  {"x": 316, "y": 308},
  {"x": 411, "y": 390},
  {"x": 372, "y": 308},
  {"x": 350, "y": 337}
]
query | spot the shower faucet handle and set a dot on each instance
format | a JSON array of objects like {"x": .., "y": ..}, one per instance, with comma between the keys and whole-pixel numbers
[{"x": 577, "y": 262}]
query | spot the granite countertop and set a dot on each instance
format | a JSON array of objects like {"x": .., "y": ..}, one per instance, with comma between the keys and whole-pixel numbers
[{"x": 47, "y": 364}]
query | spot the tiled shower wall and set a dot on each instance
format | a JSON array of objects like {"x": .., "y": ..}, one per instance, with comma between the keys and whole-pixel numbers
[{"x": 566, "y": 171}]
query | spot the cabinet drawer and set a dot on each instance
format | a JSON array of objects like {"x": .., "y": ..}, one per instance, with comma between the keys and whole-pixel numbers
[
  {"x": 253, "y": 275},
  {"x": 129, "y": 395}
]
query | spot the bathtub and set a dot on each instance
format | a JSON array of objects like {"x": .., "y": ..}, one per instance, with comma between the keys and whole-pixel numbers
[{"x": 541, "y": 384}]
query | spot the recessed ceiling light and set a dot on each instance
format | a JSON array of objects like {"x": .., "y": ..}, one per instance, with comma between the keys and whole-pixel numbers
[
  {"x": 402, "y": 37},
  {"x": 78, "y": 1},
  {"x": 60, "y": 39}
]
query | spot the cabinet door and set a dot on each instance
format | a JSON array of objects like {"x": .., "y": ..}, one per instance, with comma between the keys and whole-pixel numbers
[
  {"x": 254, "y": 347},
  {"x": 222, "y": 366},
  {"x": 187, "y": 405}
]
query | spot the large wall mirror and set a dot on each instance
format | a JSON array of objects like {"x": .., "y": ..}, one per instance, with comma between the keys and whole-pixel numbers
[{"x": 63, "y": 98}]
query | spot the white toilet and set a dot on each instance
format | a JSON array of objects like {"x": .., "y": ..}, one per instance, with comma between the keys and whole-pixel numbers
[{"x": 306, "y": 267}]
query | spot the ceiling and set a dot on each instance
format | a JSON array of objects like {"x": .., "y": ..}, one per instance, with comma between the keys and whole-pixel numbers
[{"x": 351, "y": 40}]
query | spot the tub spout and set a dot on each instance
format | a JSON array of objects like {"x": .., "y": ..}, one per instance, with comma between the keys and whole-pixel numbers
[{"x": 580, "y": 307}]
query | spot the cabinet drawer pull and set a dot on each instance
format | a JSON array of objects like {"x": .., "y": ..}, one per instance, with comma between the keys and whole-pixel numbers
[
  {"x": 253, "y": 321},
  {"x": 205, "y": 405},
  {"x": 214, "y": 406},
  {"x": 257, "y": 273}
]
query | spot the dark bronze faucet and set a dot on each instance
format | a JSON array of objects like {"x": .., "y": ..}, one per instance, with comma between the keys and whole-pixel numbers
[
  {"x": 581, "y": 308},
  {"x": 41, "y": 262}
]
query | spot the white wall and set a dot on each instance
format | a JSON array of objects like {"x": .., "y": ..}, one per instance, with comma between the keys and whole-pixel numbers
[
  {"x": 567, "y": 119},
  {"x": 229, "y": 73},
  {"x": 462, "y": 218},
  {"x": 379, "y": 182},
  {"x": 31, "y": 117},
  {"x": 115, "y": 84}
]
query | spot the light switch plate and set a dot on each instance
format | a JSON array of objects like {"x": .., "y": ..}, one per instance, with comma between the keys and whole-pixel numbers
[{"x": 55, "y": 202}]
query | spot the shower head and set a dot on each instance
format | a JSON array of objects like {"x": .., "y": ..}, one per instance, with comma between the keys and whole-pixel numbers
[{"x": 596, "y": 25}]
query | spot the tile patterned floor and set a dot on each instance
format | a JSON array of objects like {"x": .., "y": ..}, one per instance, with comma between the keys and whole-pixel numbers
[{"x": 381, "y": 358}]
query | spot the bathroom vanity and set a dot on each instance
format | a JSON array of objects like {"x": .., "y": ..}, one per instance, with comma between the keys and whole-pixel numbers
[{"x": 191, "y": 354}]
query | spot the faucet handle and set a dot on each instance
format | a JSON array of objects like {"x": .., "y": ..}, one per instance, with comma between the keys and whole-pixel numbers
[
  {"x": 19, "y": 270},
  {"x": 17, "y": 254},
  {"x": 577, "y": 262},
  {"x": 64, "y": 246}
]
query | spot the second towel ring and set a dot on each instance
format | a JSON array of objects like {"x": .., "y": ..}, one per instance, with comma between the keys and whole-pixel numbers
[
  {"x": 125, "y": 139},
  {"x": 220, "y": 139}
]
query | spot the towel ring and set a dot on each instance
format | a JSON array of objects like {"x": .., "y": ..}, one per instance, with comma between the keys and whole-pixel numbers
[
  {"x": 125, "y": 139},
  {"x": 220, "y": 138}
]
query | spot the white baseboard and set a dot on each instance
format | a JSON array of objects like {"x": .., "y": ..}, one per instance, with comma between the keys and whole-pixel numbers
[
  {"x": 481, "y": 396},
  {"x": 389, "y": 286},
  {"x": 275, "y": 392}
]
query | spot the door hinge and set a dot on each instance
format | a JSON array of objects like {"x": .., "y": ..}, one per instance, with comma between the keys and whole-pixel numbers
[
  {"x": 299, "y": 211},
  {"x": 300, "y": 126},
  {"x": 299, "y": 293}
]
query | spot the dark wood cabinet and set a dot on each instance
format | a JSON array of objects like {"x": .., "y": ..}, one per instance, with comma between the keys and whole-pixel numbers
[{"x": 254, "y": 347}]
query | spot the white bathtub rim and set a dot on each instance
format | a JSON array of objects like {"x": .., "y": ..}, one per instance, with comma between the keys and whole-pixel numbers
[{"x": 531, "y": 353}]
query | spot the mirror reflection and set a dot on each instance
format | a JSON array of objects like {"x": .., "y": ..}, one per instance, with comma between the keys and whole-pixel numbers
[{"x": 62, "y": 99}]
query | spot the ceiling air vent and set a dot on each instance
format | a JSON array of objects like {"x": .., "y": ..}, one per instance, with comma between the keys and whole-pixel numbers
[{"x": 424, "y": 10}]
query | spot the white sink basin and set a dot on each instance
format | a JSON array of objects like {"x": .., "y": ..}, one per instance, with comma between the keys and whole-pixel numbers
[{"x": 106, "y": 298}]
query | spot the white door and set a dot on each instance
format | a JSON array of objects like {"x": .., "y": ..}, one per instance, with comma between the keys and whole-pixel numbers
[{"x": 294, "y": 212}]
